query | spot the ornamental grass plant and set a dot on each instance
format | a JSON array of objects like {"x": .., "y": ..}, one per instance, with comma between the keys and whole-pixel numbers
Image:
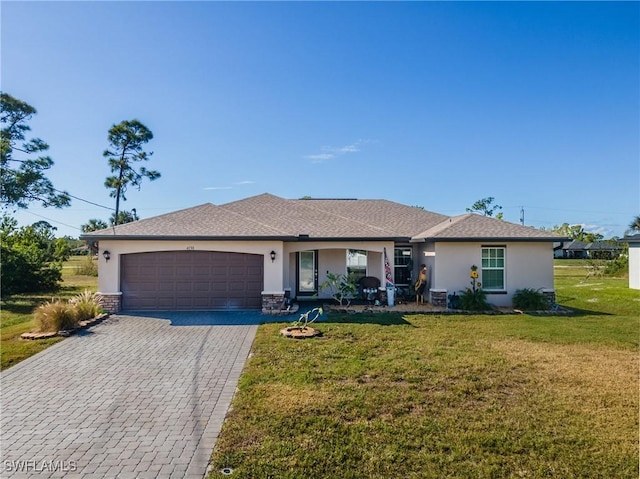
[
  {"x": 86, "y": 305},
  {"x": 55, "y": 315}
]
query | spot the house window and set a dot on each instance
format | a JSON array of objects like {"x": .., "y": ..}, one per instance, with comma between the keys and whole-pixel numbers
[
  {"x": 356, "y": 264},
  {"x": 493, "y": 267},
  {"x": 403, "y": 265}
]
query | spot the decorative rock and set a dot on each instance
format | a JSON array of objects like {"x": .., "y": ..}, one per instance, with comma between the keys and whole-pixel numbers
[
  {"x": 36, "y": 335},
  {"x": 64, "y": 333}
]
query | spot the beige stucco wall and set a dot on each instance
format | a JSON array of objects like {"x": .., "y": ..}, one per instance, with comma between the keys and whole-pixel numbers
[
  {"x": 278, "y": 275},
  {"x": 528, "y": 265},
  {"x": 634, "y": 265}
]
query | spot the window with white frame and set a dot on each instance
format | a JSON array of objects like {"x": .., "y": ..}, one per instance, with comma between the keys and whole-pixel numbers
[
  {"x": 493, "y": 261},
  {"x": 356, "y": 263}
]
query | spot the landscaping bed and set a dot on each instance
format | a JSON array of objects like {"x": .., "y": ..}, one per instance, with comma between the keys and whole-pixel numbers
[{"x": 32, "y": 335}]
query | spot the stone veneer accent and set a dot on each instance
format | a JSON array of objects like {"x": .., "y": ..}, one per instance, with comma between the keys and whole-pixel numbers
[
  {"x": 272, "y": 303},
  {"x": 550, "y": 294},
  {"x": 438, "y": 298},
  {"x": 110, "y": 302}
]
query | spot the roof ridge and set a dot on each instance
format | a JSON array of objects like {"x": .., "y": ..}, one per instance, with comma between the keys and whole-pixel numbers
[
  {"x": 378, "y": 228},
  {"x": 440, "y": 227}
]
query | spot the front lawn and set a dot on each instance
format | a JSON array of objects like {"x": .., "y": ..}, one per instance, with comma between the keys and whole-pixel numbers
[{"x": 391, "y": 396}]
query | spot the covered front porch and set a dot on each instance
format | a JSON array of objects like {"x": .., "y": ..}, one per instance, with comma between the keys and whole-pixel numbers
[{"x": 305, "y": 266}]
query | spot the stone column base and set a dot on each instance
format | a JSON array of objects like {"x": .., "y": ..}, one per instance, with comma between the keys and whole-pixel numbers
[
  {"x": 550, "y": 294},
  {"x": 438, "y": 297},
  {"x": 110, "y": 302},
  {"x": 272, "y": 303}
]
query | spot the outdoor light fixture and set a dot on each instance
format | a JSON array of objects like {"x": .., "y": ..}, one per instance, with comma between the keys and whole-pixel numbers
[
  {"x": 106, "y": 254},
  {"x": 273, "y": 256}
]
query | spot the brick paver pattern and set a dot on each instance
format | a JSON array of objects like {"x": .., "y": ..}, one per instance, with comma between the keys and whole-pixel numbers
[{"x": 133, "y": 397}]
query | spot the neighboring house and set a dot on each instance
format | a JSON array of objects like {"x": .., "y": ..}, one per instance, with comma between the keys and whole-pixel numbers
[
  {"x": 634, "y": 260},
  {"x": 603, "y": 249},
  {"x": 558, "y": 251},
  {"x": 249, "y": 254},
  {"x": 574, "y": 249}
]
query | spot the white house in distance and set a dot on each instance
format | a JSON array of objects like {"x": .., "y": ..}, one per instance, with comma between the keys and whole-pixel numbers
[
  {"x": 634, "y": 260},
  {"x": 249, "y": 254}
]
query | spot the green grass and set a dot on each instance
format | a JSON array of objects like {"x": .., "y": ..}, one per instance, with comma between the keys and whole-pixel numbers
[
  {"x": 420, "y": 396},
  {"x": 17, "y": 315}
]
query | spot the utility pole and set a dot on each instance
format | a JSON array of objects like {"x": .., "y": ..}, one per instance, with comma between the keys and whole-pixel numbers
[{"x": 522, "y": 215}]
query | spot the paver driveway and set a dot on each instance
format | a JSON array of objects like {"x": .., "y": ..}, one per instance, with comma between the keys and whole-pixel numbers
[{"x": 133, "y": 397}]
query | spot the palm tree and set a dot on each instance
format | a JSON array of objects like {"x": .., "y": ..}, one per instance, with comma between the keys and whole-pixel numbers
[
  {"x": 93, "y": 225},
  {"x": 634, "y": 226}
]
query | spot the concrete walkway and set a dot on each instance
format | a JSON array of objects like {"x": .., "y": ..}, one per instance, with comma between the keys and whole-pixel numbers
[{"x": 133, "y": 397}]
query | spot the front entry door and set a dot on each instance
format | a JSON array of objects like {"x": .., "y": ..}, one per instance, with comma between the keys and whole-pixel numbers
[{"x": 307, "y": 266}]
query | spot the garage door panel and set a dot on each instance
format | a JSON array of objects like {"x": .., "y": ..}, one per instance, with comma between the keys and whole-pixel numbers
[
  {"x": 204, "y": 271},
  {"x": 199, "y": 287},
  {"x": 181, "y": 287},
  {"x": 235, "y": 287},
  {"x": 165, "y": 287},
  {"x": 239, "y": 271},
  {"x": 148, "y": 286},
  {"x": 184, "y": 271},
  {"x": 219, "y": 287},
  {"x": 191, "y": 280},
  {"x": 166, "y": 270}
]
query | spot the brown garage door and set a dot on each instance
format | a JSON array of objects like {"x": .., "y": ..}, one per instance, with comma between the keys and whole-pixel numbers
[{"x": 190, "y": 280}]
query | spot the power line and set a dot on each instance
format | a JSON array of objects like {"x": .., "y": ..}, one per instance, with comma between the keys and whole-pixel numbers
[
  {"x": 565, "y": 209},
  {"x": 86, "y": 201},
  {"x": 49, "y": 219}
]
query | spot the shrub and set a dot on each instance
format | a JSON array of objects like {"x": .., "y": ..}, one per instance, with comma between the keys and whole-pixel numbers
[
  {"x": 529, "y": 299},
  {"x": 55, "y": 315},
  {"x": 29, "y": 263},
  {"x": 86, "y": 305},
  {"x": 88, "y": 267},
  {"x": 618, "y": 266},
  {"x": 474, "y": 300},
  {"x": 341, "y": 287}
]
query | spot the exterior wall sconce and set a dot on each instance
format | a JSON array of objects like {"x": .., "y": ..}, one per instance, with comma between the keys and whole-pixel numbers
[
  {"x": 273, "y": 256},
  {"x": 106, "y": 254}
]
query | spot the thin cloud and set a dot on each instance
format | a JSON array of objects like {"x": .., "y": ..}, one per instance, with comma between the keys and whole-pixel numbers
[
  {"x": 245, "y": 182},
  {"x": 321, "y": 157},
  {"x": 332, "y": 152}
]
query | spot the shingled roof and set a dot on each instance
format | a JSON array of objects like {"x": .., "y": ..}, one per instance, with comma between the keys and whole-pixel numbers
[
  {"x": 476, "y": 227},
  {"x": 270, "y": 217}
]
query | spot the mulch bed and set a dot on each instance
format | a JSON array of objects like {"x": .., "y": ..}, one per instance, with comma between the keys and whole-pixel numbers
[{"x": 297, "y": 332}]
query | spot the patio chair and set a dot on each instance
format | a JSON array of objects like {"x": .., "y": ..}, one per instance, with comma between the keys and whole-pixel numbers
[{"x": 368, "y": 288}]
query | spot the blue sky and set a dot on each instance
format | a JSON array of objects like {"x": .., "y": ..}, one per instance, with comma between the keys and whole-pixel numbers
[{"x": 434, "y": 104}]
